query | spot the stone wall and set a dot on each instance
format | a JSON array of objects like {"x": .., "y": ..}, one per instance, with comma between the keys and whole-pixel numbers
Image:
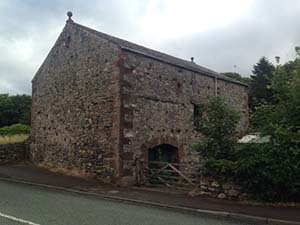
[
  {"x": 158, "y": 104},
  {"x": 236, "y": 96},
  {"x": 209, "y": 187},
  {"x": 11, "y": 153},
  {"x": 75, "y": 105}
]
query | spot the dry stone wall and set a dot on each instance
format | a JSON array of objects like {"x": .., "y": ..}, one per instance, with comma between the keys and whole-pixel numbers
[
  {"x": 209, "y": 187},
  {"x": 11, "y": 153}
]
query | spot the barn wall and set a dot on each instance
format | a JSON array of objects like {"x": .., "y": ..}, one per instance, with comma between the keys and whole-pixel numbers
[
  {"x": 158, "y": 106},
  {"x": 75, "y": 109}
]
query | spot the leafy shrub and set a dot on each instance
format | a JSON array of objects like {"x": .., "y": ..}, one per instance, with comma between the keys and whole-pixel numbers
[
  {"x": 222, "y": 169},
  {"x": 219, "y": 128},
  {"x": 271, "y": 172},
  {"x": 15, "y": 130}
]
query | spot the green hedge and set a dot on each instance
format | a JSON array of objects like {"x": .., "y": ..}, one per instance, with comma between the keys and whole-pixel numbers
[
  {"x": 269, "y": 172},
  {"x": 15, "y": 130}
]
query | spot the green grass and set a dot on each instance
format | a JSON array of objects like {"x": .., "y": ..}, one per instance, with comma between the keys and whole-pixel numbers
[{"x": 13, "y": 139}]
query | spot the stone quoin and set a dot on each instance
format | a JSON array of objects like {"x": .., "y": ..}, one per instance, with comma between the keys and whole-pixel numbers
[{"x": 100, "y": 102}]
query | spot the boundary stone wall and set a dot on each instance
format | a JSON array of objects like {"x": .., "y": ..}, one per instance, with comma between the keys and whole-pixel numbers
[
  {"x": 211, "y": 187},
  {"x": 17, "y": 152}
]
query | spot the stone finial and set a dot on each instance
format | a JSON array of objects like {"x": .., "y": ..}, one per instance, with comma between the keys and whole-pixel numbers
[
  {"x": 69, "y": 14},
  {"x": 192, "y": 59}
]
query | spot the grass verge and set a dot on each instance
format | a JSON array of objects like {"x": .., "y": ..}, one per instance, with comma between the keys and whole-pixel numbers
[{"x": 12, "y": 139}]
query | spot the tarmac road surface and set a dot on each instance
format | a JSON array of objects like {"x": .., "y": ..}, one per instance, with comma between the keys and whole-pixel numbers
[{"x": 24, "y": 204}]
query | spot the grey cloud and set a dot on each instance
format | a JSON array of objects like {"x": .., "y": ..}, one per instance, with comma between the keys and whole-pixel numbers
[{"x": 269, "y": 28}]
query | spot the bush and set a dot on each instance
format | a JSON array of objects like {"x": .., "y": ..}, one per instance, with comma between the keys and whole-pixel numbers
[
  {"x": 270, "y": 172},
  {"x": 218, "y": 126},
  {"x": 15, "y": 130}
]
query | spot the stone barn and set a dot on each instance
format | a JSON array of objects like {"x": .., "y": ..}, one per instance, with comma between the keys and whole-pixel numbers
[{"x": 100, "y": 102}]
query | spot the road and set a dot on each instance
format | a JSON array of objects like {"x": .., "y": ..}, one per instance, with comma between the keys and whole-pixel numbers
[{"x": 24, "y": 204}]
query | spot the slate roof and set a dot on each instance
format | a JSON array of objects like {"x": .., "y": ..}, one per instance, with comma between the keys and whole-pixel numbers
[{"x": 138, "y": 49}]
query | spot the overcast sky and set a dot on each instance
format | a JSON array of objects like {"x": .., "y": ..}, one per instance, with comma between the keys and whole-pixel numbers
[{"x": 222, "y": 35}]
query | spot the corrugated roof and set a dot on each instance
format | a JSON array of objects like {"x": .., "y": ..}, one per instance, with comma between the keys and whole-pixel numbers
[{"x": 138, "y": 49}]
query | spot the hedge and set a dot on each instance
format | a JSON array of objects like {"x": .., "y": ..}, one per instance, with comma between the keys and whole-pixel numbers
[{"x": 15, "y": 130}]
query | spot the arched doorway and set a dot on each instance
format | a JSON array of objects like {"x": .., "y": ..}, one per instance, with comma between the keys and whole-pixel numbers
[{"x": 163, "y": 153}]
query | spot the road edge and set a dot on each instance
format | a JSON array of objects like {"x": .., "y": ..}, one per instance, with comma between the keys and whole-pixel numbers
[{"x": 212, "y": 213}]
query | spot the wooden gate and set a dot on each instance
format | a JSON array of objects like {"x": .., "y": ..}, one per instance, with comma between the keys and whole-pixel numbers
[{"x": 175, "y": 175}]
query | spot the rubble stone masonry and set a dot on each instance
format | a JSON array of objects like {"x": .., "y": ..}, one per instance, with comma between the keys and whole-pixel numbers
[
  {"x": 159, "y": 103},
  {"x": 12, "y": 153},
  {"x": 75, "y": 109}
]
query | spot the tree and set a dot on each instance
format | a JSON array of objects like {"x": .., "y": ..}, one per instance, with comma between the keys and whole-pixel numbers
[
  {"x": 6, "y": 110},
  {"x": 14, "y": 109},
  {"x": 260, "y": 83},
  {"x": 284, "y": 110},
  {"x": 22, "y": 106}
]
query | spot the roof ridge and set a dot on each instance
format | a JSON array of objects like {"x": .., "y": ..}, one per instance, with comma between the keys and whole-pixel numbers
[{"x": 157, "y": 55}]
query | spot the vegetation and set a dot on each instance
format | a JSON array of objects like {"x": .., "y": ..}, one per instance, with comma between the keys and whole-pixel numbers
[
  {"x": 15, "y": 129},
  {"x": 14, "y": 118},
  {"x": 218, "y": 127},
  {"x": 238, "y": 77},
  {"x": 270, "y": 171},
  {"x": 14, "y": 109},
  {"x": 260, "y": 91},
  {"x": 280, "y": 119}
]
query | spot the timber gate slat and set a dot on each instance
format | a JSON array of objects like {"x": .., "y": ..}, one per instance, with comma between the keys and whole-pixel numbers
[{"x": 175, "y": 175}]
